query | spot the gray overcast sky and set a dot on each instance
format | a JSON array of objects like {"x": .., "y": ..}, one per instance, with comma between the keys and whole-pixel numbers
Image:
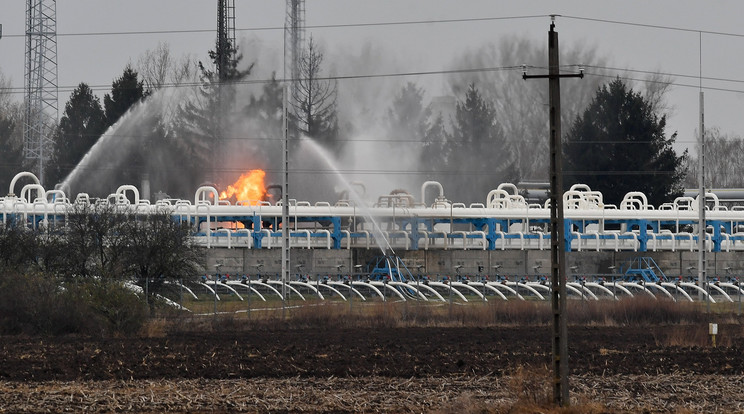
[{"x": 97, "y": 60}]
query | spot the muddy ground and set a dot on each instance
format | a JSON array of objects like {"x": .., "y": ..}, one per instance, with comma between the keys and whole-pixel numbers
[{"x": 658, "y": 369}]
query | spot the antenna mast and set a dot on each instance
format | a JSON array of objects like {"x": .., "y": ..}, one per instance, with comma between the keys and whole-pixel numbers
[
  {"x": 294, "y": 41},
  {"x": 225, "y": 36},
  {"x": 40, "y": 82}
]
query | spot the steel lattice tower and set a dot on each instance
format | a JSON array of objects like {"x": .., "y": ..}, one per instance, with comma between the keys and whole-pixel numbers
[
  {"x": 225, "y": 35},
  {"x": 294, "y": 40},
  {"x": 40, "y": 82}
]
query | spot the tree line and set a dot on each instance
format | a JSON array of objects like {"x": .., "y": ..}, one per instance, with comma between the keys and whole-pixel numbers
[{"x": 493, "y": 130}]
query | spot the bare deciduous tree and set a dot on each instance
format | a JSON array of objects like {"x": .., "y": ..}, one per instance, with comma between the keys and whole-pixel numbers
[
  {"x": 158, "y": 68},
  {"x": 314, "y": 98},
  {"x": 723, "y": 161}
]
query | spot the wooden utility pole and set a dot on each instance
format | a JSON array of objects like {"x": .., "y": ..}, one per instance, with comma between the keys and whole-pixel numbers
[{"x": 557, "y": 230}]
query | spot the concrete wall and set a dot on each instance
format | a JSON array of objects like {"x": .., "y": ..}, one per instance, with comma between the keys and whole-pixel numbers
[{"x": 511, "y": 262}]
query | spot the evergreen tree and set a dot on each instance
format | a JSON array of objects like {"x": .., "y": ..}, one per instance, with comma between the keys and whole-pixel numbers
[
  {"x": 11, "y": 160},
  {"x": 81, "y": 125},
  {"x": 125, "y": 92},
  {"x": 479, "y": 158},
  {"x": 435, "y": 148},
  {"x": 408, "y": 118},
  {"x": 619, "y": 145},
  {"x": 11, "y": 134},
  {"x": 265, "y": 115},
  {"x": 204, "y": 120}
]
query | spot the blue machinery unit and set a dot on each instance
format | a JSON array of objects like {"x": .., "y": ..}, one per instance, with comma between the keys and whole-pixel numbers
[
  {"x": 642, "y": 269},
  {"x": 504, "y": 222}
]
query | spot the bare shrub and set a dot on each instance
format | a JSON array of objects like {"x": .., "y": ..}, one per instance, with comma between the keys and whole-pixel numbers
[
  {"x": 531, "y": 387},
  {"x": 35, "y": 304}
]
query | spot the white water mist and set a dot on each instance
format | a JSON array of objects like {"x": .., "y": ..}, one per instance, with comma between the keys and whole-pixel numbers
[{"x": 321, "y": 153}]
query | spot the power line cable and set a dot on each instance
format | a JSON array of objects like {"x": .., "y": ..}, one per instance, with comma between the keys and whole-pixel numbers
[
  {"x": 393, "y": 23},
  {"x": 653, "y": 26},
  {"x": 277, "y": 28}
]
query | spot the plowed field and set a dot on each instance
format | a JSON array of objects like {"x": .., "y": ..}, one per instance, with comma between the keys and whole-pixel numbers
[{"x": 658, "y": 369}]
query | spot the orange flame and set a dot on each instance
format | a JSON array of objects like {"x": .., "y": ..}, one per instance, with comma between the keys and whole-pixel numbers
[{"x": 250, "y": 186}]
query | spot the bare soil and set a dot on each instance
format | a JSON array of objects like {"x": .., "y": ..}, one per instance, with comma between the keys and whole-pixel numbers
[{"x": 622, "y": 369}]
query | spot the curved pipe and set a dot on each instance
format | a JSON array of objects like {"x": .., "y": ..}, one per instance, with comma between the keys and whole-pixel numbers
[
  {"x": 447, "y": 287},
  {"x": 427, "y": 184},
  {"x": 661, "y": 289},
  {"x": 368, "y": 286},
  {"x": 387, "y": 286},
  {"x": 574, "y": 289},
  {"x": 230, "y": 288},
  {"x": 432, "y": 291},
  {"x": 27, "y": 189},
  {"x": 344, "y": 286},
  {"x": 272, "y": 288},
  {"x": 248, "y": 288},
  {"x": 641, "y": 287},
  {"x": 489, "y": 287},
  {"x": 11, "y": 189},
  {"x": 472, "y": 289},
  {"x": 311, "y": 286},
  {"x": 600, "y": 287},
  {"x": 186, "y": 288},
  {"x": 209, "y": 288},
  {"x": 121, "y": 193},
  {"x": 290, "y": 287},
  {"x": 498, "y": 285},
  {"x": 584, "y": 288},
  {"x": 407, "y": 286},
  {"x": 721, "y": 291},
  {"x": 732, "y": 286},
  {"x": 678, "y": 289},
  {"x": 699, "y": 289},
  {"x": 201, "y": 192},
  {"x": 622, "y": 288},
  {"x": 331, "y": 288},
  {"x": 138, "y": 290},
  {"x": 528, "y": 286}
]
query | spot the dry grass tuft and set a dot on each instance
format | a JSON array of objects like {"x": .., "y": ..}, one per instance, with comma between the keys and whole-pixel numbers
[
  {"x": 155, "y": 328},
  {"x": 531, "y": 386}
]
